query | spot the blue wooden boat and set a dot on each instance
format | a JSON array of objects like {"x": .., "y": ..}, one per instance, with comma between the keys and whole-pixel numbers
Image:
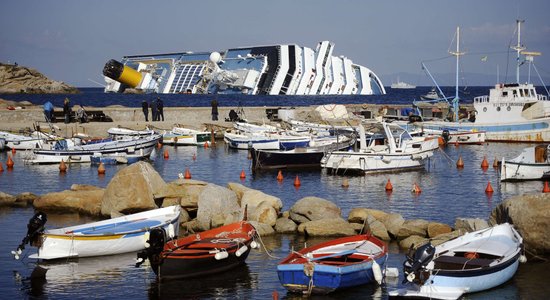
[{"x": 332, "y": 265}]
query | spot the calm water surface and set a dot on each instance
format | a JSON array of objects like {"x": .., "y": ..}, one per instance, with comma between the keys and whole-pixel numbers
[{"x": 447, "y": 193}]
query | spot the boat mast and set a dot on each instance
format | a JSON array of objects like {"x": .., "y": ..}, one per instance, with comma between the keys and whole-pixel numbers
[
  {"x": 519, "y": 47},
  {"x": 457, "y": 54}
]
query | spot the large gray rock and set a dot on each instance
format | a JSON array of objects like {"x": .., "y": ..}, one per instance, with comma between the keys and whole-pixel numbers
[
  {"x": 264, "y": 213},
  {"x": 312, "y": 209},
  {"x": 285, "y": 225},
  {"x": 87, "y": 201},
  {"x": 327, "y": 227},
  {"x": 7, "y": 199},
  {"x": 393, "y": 223},
  {"x": 20, "y": 79},
  {"x": 184, "y": 192},
  {"x": 436, "y": 229},
  {"x": 239, "y": 189},
  {"x": 410, "y": 228},
  {"x": 530, "y": 215},
  {"x": 377, "y": 228},
  {"x": 262, "y": 229},
  {"x": 414, "y": 241},
  {"x": 470, "y": 224},
  {"x": 217, "y": 206},
  {"x": 132, "y": 189},
  {"x": 253, "y": 198},
  {"x": 358, "y": 215},
  {"x": 25, "y": 199}
]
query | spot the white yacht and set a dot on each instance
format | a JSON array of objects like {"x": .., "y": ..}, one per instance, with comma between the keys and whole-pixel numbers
[
  {"x": 402, "y": 85},
  {"x": 258, "y": 70}
]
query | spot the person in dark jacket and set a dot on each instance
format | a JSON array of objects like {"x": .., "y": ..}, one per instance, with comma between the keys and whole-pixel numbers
[
  {"x": 67, "y": 110},
  {"x": 154, "y": 110},
  {"x": 214, "y": 105},
  {"x": 145, "y": 108},
  {"x": 160, "y": 107}
]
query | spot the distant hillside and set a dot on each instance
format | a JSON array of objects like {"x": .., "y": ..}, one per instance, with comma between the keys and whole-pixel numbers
[{"x": 19, "y": 79}]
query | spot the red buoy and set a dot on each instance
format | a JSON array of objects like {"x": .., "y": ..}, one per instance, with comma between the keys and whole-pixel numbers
[
  {"x": 297, "y": 181},
  {"x": 187, "y": 174},
  {"x": 166, "y": 155},
  {"x": 101, "y": 169},
  {"x": 416, "y": 189},
  {"x": 280, "y": 176},
  {"x": 484, "y": 163},
  {"x": 389, "y": 186},
  {"x": 9, "y": 163},
  {"x": 243, "y": 174},
  {"x": 62, "y": 166},
  {"x": 460, "y": 163},
  {"x": 489, "y": 188},
  {"x": 546, "y": 188}
]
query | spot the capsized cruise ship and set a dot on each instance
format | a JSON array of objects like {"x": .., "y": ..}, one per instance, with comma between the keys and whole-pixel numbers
[{"x": 258, "y": 70}]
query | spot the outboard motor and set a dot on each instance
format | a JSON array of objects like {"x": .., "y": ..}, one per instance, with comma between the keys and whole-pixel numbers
[
  {"x": 416, "y": 261},
  {"x": 35, "y": 228},
  {"x": 154, "y": 246},
  {"x": 446, "y": 135}
]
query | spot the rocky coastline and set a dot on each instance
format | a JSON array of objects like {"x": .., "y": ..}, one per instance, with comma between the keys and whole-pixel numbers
[
  {"x": 206, "y": 205},
  {"x": 19, "y": 79}
]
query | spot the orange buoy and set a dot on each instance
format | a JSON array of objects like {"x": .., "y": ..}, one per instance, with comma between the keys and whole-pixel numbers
[
  {"x": 456, "y": 144},
  {"x": 484, "y": 163},
  {"x": 460, "y": 163},
  {"x": 9, "y": 163},
  {"x": 297, "y": 181},
  {"x": 62, "y": 166},
  {"x": 280, "y": 176},
  {"x": 489, "y": 188},
  {"x": 495, "y": 163},
  {"x": 275, "y": 295},
  {"x": 440, "y": 141},
  {"x": 243, "y": 174},
  {"x": 159, "y": 145},
  {"x": 389, "y": 186},
  {"x": 101, "y": 169},
  {"x": 13, "y": 151},
  {"x": 166, "y": 155},
  {"x": 1, "y": 168},
  {"x": 187, "y": 174},
  {"x": 345, "y": 183},
  {"x": 416, "y": 189},
  {"x": 546, "y": 188},
  {"x": 205, "y": 145}
]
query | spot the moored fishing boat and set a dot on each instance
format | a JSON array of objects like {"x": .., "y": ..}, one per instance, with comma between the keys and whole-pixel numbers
[
  {"x": 332, "y": 265},
  {"x": 121, "y": 133},
  {"x": 396, "y": 150},
  {"x": 474, "y": 262},
  {"x": 532, "y": 164},
  {"x": 107, "y": 237},
  {"x": 186, "y": 136},
  {"x": 299, "y": 157},
  {"x": 132, "y": 148},
  {"x": 199, "y": 254}
]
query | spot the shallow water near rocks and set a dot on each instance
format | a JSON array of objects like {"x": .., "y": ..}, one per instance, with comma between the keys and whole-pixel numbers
[{"x": 447, "y": 193}]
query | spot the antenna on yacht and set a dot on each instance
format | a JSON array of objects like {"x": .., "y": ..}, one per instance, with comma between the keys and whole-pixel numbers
[
  {"x": 457, "y": 54},
  {"x": 519, "y": 47}
]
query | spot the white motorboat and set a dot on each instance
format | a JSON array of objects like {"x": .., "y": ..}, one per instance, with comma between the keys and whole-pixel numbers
[
  {"x": 247, "y": 141},
  {"x": 392, "y": 149},
  {"x": 131, "y": 148},
  {"x": 114, "y": 236},
  {"x": 121, "y": 133},
  {"x": 532, "y": 164},
  {"x": 431, "y": 95},
  {"x": 36, "y": 140},
  {"x": 186, "y": 136},
  {"x": 474, "y": 262}
]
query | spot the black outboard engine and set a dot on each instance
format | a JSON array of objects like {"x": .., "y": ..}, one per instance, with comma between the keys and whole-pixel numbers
[
  {"x": 417, "y": 261},
  {"x": 446, "y": 135},
  {"x": 156, "y": 241},
  {"x": 35, "y": 228}
]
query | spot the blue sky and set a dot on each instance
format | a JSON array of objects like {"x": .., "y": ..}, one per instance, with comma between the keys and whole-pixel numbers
[{"x": 70, "y": 40}]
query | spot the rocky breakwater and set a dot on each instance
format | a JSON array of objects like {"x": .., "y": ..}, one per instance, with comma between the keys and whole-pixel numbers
[
  {"x": 19, "y": 79},
  {"x": 139, "y": 187}
]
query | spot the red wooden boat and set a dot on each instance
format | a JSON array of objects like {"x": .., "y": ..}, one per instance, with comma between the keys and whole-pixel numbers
[{"x": 204, "y": 253}]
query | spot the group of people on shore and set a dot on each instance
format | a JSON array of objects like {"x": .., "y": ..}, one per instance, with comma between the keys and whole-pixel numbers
[
  {"x": 81, "y": 115},
  {"x": 157, "y": 109}
]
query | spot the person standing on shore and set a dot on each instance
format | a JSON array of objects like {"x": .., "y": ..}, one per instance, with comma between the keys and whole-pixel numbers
[
  {"x": 214, "y": 105},
  {"x": 145, "y": 108},
  {"x": 160, "y": 107},
  {"x": 67, "y": 110},
  {"x": 154, "y": 110},
  {"x": 48, "y": 111}
]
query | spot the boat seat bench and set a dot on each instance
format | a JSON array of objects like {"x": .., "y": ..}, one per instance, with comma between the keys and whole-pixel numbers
[{"x": 460, "y": 262}]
